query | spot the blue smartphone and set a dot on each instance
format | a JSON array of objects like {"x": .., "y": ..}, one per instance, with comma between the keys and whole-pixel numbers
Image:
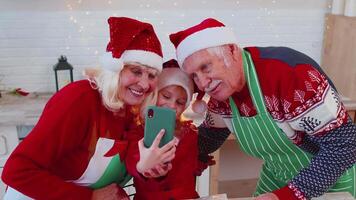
[{"x": 157, "y": 118}]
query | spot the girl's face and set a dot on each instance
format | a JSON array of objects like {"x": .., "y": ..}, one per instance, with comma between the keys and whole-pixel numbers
[
  {"x": 136, "y": 83},
  {"x": 173, "y": 97}
]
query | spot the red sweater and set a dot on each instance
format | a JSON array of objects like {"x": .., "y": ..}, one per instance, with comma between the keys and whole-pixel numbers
[
  {"x": 59, "y": 148},
  {"x": 179, "y": 183}
]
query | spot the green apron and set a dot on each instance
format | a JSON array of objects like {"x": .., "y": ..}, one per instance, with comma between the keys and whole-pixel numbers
[{"x": 259, "y": 136}]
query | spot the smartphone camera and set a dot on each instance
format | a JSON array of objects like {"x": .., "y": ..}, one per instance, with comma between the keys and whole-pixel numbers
[{"x": 150, "y": 113}]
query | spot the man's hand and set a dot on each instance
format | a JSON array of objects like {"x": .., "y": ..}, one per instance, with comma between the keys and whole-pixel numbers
[
  {"x": 155, "y": 157},
  {"x": 110, "y": 192},
  {"x": 267, "y": 196}
]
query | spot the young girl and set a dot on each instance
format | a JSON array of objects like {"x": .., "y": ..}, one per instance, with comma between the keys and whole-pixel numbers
[{"x": 175, "y": 91}]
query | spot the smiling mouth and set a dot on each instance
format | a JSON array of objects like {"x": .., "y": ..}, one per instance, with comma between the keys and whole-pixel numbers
[
  {"x": 136, "y": 92},
  {"x": 213, "y": 89}
]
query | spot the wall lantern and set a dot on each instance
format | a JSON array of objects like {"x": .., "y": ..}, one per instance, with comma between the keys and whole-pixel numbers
[{"x": 63, "y": 72}]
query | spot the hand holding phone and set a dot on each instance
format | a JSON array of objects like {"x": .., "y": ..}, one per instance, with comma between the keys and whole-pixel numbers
[{"x": 153, "y": 156}]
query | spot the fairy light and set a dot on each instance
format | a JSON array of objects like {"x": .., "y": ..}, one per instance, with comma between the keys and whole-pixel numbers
[
  {"x": 109, "y": 2},
  {"x": 175, "y": 4},
  {"x": 148, "y": 5}
]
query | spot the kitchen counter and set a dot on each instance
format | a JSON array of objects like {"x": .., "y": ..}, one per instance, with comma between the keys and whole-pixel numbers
[{"x": 22, "y": 110}]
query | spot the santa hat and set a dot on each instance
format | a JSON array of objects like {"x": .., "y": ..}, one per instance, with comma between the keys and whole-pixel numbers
[
  {"x": 131, "y": 41},
  {"x": 173, "y": 75},
  {"x": 209, "y": 33}
]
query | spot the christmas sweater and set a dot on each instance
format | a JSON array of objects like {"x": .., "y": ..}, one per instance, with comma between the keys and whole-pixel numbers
[
  {"x": 304, "y": 103},
  {"x": 180, "y": 181},
  {"x": 67, "y": 152}
]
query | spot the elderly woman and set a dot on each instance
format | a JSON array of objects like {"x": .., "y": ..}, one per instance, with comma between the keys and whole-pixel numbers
[{"x": 77, "y": 147}]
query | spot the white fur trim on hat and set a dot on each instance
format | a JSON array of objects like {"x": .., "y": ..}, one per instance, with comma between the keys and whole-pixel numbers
[
  {"x": 209, "y": 37},
  {"x": 144, "y": 57},
  {"x": 175, "y": 76},
  {"x": 110, "y": 63}
]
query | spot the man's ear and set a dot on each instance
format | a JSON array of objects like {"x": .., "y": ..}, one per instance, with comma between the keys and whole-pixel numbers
[{"x": 235, "y": 52}]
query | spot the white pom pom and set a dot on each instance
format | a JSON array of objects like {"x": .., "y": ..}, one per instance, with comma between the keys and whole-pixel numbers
[
  {"x": 110, "y": 63},
  {"x": 199, "y": 106}
]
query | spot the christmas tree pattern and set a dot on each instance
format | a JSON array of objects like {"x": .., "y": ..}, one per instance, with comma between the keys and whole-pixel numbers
[{"x": 309, "y": 123}]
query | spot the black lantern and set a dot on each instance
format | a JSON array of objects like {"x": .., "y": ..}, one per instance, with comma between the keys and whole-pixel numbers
[{"x": 63, "y": 65}]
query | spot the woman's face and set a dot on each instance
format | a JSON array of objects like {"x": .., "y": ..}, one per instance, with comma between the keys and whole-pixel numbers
[
  {"x": 136, "y": 83},
  {"x": 174, "y": 97}
]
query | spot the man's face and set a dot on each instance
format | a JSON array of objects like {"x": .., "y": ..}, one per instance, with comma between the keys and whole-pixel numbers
[{"x": 212, "y": 75}]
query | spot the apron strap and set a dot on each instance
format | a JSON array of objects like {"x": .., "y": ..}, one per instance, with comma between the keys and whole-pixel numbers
[{"x": 253, "y": 83}]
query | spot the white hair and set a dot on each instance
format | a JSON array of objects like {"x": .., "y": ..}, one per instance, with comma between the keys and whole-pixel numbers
[{"x": 221, "y": 52}]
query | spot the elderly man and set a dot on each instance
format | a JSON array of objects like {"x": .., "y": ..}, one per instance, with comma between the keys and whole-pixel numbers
[{"x": 281, "y": 107}]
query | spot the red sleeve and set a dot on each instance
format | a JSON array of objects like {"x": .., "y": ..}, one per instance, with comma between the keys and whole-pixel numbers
[
  {"x": 133, "y": 154},
  {"x": 60, "y": 130},
  {"x": 289, "y": 192}
]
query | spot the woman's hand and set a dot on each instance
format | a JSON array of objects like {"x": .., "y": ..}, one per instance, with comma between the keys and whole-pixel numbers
[
  {"x": 110, "y": 192},
  {"x": 154, "y": 156},
  {"x": 267, "y": 196}
]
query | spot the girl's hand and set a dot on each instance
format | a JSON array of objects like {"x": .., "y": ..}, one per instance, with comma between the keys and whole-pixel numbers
[
  {"x": 154, "y": 156},
  {"x": 158, "y": 171},
  {"x": 267, "y": 196},
  {"x": 110, "y": 192}
]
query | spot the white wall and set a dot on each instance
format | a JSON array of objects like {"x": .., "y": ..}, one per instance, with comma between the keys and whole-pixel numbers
[{"x": 34, "y": 33}]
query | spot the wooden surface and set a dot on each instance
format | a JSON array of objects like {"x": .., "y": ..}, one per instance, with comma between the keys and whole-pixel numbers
[
  {"x": 329, "y": 196},
  {"x": 339, "y": 53}
]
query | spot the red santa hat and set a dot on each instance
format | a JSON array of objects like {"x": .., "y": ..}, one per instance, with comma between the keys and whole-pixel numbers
[
  {"x": 209, "y": 33},
  {"x": 131, "y": 41},
  {"x": 173, "y": 75}
]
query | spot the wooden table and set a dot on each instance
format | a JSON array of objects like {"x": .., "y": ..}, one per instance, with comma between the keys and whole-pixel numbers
[{"x": 329, "y": 196}]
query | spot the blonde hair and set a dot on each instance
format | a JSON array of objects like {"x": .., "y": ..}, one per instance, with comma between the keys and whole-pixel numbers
[{"x": 107, "y": 83}]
